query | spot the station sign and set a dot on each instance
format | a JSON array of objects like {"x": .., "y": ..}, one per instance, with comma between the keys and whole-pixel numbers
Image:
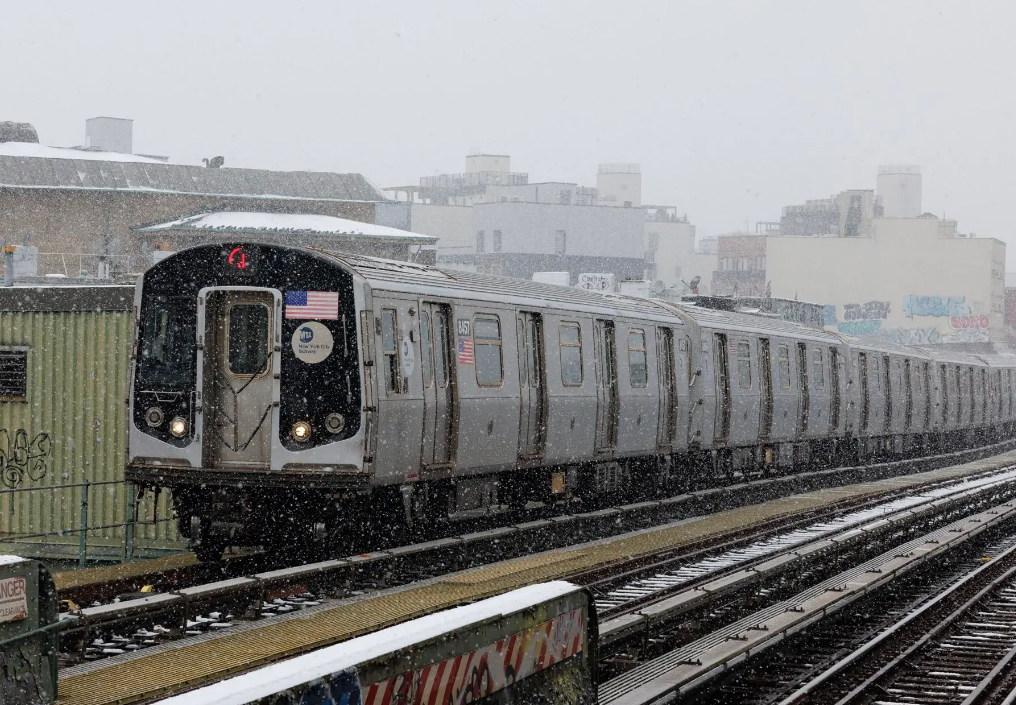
[{"x": 13, "y": 599}]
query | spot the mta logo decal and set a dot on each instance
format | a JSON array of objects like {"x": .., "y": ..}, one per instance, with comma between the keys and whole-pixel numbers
[{"x": 306, "y": 335}]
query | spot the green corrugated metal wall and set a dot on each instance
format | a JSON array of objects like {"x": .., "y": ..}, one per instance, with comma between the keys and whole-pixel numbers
[{"x": 76, "y": 387}]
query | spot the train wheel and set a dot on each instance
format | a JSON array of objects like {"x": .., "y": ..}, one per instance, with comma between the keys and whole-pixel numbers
[{"x": 207, "y": 547}]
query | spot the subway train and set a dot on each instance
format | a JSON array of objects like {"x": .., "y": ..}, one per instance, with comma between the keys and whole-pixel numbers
[{"x": 288, "y": 395}]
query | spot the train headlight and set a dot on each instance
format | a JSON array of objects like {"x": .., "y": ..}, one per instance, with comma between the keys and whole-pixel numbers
[
  {"x": 178, "y": 427},
  {"x": 334, "y": 423},
  {"x": 154, "y": 416},
  {"x": 301, "y": 431}
]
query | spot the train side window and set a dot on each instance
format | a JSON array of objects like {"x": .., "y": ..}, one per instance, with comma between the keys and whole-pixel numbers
[
  {"x": 743, "y": 364},
  {"x": 818, "y": 368},
  {"x": 487, "y": 346},
  {"x": 783, "y": 365},
  {"x": 390, "y": 350},
  {"x": 571, "y": 354},
  {"x": 638, "y": 372},
  {"x": 249, "y": 354},
  {"x": 427, "y": 366}
]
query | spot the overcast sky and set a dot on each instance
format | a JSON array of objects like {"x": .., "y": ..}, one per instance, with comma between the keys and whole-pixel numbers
[{"x": 733, "y": 109}]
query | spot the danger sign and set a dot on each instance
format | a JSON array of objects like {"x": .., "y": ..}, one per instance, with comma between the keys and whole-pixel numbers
[{"x": 13, "y": 599}]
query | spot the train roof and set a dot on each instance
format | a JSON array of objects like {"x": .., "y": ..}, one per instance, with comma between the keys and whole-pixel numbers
[
  {"x": 423, "y": 279},
  {"x": 748, "y": 323}
]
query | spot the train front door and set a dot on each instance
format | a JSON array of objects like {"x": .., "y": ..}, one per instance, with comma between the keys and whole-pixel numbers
[
  {"x": 438, "y": 383},
  {"x": 532, "y": 425},
  {"x": 605, "y": 351},
  {"x": 241, "y": 333}
]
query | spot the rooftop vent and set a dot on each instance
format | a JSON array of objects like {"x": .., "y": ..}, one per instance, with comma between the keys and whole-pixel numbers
[{"x": 18, "y": 132}]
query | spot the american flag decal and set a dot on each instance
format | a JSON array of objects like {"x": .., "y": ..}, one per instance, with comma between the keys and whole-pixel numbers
[
  {"x": 465, "y": 351},
  {"x": 322, "y": 305}
]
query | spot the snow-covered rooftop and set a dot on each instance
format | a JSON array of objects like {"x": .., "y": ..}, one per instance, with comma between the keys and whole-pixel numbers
[
  {"x": 247, "y": 222},
  {"x": 27, "y": 149}
]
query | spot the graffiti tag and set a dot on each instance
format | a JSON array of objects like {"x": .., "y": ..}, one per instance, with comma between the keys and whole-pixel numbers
[
  {"x": 966, "y": 336},
  {"x": 927, "y": 335},
  {"x": 964, "y": 322},
  {"x": 829, "y": 315},
  {"x": 860, "y": 327},
  {"x": 871, "y": 311},
  {"x": 935, "y": 306},
  {"x": 19, "y": 457}
]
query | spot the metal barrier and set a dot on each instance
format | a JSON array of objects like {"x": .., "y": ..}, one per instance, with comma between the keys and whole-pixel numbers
[{"x": 82, "y": 527}]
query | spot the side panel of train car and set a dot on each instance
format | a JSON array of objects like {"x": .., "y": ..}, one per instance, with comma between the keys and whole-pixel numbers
[
  {"x": 533, "y": 645},
  {"x": 305, "y": 392}
]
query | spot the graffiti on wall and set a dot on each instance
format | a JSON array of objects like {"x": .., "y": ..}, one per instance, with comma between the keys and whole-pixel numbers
[
  {"x": 461, "y": 679},
  {"x": 924, "y": 335},
  {"x": 20, "y": 457},
  {"x": 966, "y": 336},
  {"x": 935, "y": 306},
  {"x": 871, "y": 311},
  {"x": 965, "y": 322},
  {"x": 859, "y": 327},
  {"x": 829, "y": 315}
]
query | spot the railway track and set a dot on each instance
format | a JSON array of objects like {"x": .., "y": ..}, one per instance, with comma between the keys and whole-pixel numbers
[
  {"x": 105, "y": 584},
  {"x": 132, "y": 625},
  {"x": 734, "y": 663}
]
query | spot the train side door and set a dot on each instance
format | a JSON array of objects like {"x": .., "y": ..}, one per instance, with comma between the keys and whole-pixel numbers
[
  {"x": 887, "y": 388},
  {"x": 438, "y": 384},
  {"x": 834, "y": 390},
  {"x": 908, "y": 396},
  {"x": 532, "y": 381},
  {"x": 862, "y": 376},
  {"x": 723, "y": 402},
  {"x": 605, "y": 351},
  {"x": 765, "y": 367},
  {"x": 241, "y": 334},
  {"x": 665, "y": 363},
  {"x": 802, "y": 385}
]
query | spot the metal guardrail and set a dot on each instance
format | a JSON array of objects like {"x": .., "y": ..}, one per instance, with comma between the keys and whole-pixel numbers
[{"x": 83, "y": 527}]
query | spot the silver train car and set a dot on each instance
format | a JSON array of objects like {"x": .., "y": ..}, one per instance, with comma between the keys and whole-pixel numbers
[{"x": 285, "y": 393}]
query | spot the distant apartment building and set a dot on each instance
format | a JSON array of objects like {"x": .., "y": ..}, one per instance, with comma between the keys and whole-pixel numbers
[
  {"x": 882, "y": 267},
  {"x": 491, "y": 219}
]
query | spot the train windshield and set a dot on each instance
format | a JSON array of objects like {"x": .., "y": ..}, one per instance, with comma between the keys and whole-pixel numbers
[{"x": 167, "y": 336}]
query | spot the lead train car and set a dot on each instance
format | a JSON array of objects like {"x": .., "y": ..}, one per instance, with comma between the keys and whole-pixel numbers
[{"x": 286, "y": 392}]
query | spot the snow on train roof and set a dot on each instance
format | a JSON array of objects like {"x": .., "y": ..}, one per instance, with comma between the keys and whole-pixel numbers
[
  {"x": 279, "y": 677},
  {"x": 755, "y": 324},
  {"x": 245, "y": 222}
]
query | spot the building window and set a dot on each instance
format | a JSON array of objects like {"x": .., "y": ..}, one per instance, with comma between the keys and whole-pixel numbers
[
  {"x": 571, "y": 355},
  {"x": 390, "y": 350},
  {"x": 783, "y": 365},
  {"x": 564, "y": 198},
  {"x": 487, "y": 350},
  {"x": 560, "y": 242},
  {"x": 496, "y": 243},
  {"x": 13, "y": 373},
  {"x": 653, "y": 242},
  {"x": 744, "y": 364},
  {"x": 480, "y": 245},
  {"x": 818, "y": 368},
  {"x": 638, "y": 371}
]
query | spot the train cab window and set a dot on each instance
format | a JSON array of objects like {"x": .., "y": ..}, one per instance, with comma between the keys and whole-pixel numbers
[
  {"x": 249, "y": 352},
  {"x": 818, "y": 368},
  {"x": 427, "y": 358},
  {"x": 168, "y": 341},
  {"x": 571, "y": 354},
  {"x": 783, "y": 365},
  {"x": 638, "y": 371},
  {"x": 743, "y": 364},
  {"x": 390, "y": 350},
  {"x": 487, "y": 346}
]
